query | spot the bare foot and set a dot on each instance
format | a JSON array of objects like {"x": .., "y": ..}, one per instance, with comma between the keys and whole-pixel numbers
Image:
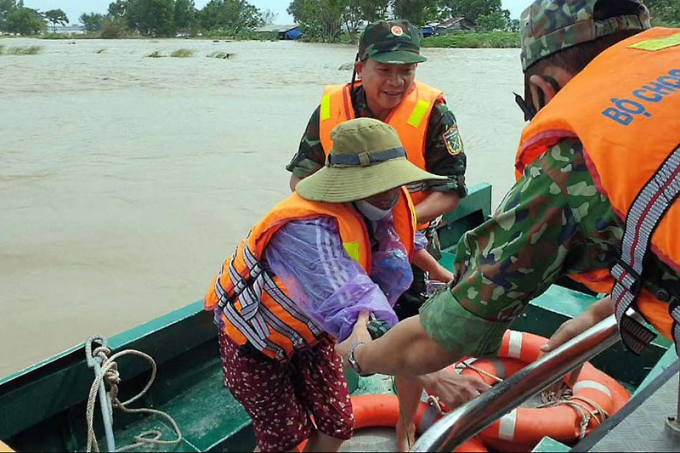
[{"x": 405, "y": 443}]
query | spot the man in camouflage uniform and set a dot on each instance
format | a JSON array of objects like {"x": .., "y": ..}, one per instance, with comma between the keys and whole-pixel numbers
[
  {"x": 553, "y": 222},
  {"x": 389, "y": 52}
]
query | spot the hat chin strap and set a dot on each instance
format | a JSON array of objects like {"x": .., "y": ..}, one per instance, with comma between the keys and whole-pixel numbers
[{"x": 352, "y": 86}]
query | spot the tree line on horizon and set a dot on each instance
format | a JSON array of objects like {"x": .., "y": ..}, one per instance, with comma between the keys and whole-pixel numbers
[
  {"x": 16, "y": 18},
  {"x": 322, "y": 20}
]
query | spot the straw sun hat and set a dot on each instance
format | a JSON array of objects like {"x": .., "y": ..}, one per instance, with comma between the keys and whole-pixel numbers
[{"x": 367, "y": 158}]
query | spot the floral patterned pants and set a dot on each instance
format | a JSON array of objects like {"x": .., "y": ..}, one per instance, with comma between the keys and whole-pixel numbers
[{"x": 280, "y": 398}]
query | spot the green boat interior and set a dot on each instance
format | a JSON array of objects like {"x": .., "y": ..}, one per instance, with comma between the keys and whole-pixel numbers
[{"x": 43, "y": 408}]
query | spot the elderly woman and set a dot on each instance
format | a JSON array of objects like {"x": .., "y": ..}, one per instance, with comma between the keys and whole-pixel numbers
[{"x": 341, "y": 244}]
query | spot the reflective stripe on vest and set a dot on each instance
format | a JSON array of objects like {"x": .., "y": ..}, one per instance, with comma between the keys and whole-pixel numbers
[
  {"x": 629, "y": 153},
  {"x": 254, "y": 306},
  {"x": 254, "y": 320},
  {"x": 411, "y": 120}
]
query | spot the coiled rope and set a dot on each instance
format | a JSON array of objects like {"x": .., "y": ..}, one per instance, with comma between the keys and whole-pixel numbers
[
  {"x": 563, "y": 396},
  {"x": 109, "y": 373}
]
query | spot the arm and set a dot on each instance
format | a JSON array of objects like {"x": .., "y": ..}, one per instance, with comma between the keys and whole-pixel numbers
[
  {"x": 411, "y": 351},
  {"x": 427, "y": 263},
  {"x": 310, "y": 156},
  {"x": 595, "y": 313},
  {"x": 436, "y": 204},
  {"x": 445, "y": 156},
  {"x": 500, "y": 266},
  {"x": 329, "y": 286}
]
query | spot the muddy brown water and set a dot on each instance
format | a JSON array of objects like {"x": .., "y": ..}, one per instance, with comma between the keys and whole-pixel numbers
[{"x": 126, "y": 180}]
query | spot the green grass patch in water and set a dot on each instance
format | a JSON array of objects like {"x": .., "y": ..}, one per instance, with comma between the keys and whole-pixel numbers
[
  {"x": 221, "y": 55},
  {"x": 18, "y": 50},
  {"x": 472, "y": 40},
  {"x": 182, "y": 53}
]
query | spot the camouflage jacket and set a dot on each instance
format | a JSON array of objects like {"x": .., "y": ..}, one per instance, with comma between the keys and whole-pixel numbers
[
  {"x": 551, "y": 223},
  {"x": 442, "y": 135}
]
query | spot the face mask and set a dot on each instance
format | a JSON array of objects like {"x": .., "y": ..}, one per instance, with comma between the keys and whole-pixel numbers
[{"x": 372, "y": 212}]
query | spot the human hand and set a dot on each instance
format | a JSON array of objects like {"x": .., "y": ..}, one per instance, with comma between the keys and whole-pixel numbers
[
  {"x": 359, "y": 333},
  {"x": 440, "y": 273},
  {"x": 454, "y": 389},
  {"x": 567, "y": 331},
  {"x": 570, "y": 329}
]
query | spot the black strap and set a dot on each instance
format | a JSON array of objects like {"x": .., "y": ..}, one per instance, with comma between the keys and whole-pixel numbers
[{"x": 365, "y": 159}]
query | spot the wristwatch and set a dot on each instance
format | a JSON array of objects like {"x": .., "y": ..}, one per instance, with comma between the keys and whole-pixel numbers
[{"x": 353, "y": 362}]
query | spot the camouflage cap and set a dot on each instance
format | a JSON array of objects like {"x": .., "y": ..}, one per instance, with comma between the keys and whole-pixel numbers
[
  {"x": 548, "y": 26},
  {"x": 391, "y": 42}
]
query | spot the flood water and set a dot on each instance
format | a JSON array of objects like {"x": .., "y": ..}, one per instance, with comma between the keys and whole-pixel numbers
[{"x": 125, "y": 181}]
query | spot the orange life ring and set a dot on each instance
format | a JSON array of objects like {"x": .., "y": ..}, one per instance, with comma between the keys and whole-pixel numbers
[
  {"x": 382, "y": 410},
  {"x": 523, "y": 428}
]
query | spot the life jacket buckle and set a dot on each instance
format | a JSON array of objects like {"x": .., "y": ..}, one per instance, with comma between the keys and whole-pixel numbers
[{"x": 627, "y": 277}]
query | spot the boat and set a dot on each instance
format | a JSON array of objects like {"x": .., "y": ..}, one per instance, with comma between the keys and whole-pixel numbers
[{"x": 44, "y": 407}]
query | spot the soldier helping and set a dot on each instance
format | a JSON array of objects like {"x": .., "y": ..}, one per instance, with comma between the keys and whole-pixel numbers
[{"x": 598, "y": 173}]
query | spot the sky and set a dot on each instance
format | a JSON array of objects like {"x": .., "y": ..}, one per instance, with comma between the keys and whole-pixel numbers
[{"x": 74, "y": 8}]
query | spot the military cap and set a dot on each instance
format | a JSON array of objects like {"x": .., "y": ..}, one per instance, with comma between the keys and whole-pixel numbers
[
  {"x": 391, "y": 42},
  {"x": 548, "y": 26}
]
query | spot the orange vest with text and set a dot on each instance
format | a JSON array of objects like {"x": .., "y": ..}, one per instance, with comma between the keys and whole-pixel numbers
[
  {"x": 410, "y": 118},
  {"x": 624, "y": 107},
  {"x": 254, "y": 305}
]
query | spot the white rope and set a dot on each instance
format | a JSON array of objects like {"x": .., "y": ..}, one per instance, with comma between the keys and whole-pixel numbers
[
  {"x": 109, "y": 372},
  {"x": 579, "y": 404},
  {"x": 464, "y": 364},
  {"x": 433, "y": 401},
  {"x": 551, "y": 399}
]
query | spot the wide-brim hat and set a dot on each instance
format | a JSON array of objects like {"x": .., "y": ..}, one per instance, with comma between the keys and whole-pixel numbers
[{"x": 367, "y": 158}]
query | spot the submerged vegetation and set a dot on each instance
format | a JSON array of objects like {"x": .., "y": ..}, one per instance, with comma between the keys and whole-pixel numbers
[
  {"x": 182, "y": 53},
  {"x": 220, "y": 55},
  {"x": 20, "y": 50},
  {"x": 494, "y": 39},
  {"x": 179, "y": 53}
]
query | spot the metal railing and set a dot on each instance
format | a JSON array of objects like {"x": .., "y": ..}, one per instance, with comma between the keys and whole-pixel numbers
[{"x": 469, "y": 419}]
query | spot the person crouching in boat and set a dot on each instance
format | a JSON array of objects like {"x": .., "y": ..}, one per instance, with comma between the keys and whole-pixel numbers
[
  {"x": 342, "y": 243},
  {"x": 596, "y": 198}
]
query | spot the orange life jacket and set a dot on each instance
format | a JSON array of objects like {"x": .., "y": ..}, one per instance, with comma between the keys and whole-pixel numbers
[
  {"x": 624, "y": 107},
  {"x": 255, "y": 306},
  {"x": 410, "y": 118}
]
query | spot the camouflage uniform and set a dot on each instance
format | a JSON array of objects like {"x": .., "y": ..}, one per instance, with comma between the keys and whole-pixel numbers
[
  {"x": 444, "y": 154},
  {"x": 553, "y": 221},
  {"x": 438, "y": 159}
]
